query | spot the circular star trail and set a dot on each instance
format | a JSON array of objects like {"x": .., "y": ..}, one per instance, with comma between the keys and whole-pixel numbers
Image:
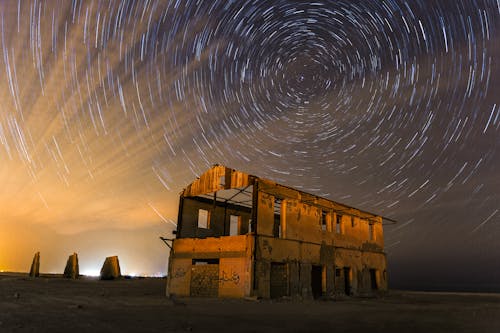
[{"x": 109, "y": 108}]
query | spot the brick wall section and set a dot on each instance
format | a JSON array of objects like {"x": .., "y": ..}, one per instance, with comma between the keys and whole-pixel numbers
[{"x": 205, "y": 280}]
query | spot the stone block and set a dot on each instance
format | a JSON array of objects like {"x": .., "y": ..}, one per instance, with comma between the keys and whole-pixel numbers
[
  {"x": 72, "y": 270},
  {"x": 110, "y": 269}
]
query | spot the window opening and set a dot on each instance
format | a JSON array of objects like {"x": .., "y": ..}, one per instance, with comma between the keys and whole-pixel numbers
[
  {"x": 338, "y": 224},
  {"x": 203, "y": 218},
  {"x": 371, "y": 231},
  {"x": 234, "y": 225},
  {"x": 323, "y": 220},
  {"x": 277, "y": 218}
]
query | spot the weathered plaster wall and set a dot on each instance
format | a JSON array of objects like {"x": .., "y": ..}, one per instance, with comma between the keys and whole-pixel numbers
[
  {"x": 217, "y": 178},
  {"x": 235, "y": 264},
  {"x": 305, "y": 242},
  {"x": 360, "y": 264},
  {"x": 302, "y": 222}
]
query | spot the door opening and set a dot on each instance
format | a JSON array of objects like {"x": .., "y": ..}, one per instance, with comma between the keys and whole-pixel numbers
[
  {"x": 373, "y": 279},
  {"x": 347, "y": 280},
  {"x": 317, "y": 281},
  {"x": 279, "y": 280}
]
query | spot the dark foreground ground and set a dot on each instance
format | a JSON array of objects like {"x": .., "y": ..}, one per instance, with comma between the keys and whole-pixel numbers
[{"x": 53, "y": 304}]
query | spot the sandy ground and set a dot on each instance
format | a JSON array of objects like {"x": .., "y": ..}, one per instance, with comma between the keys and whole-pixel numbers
[{"x": 54, "y": 304}]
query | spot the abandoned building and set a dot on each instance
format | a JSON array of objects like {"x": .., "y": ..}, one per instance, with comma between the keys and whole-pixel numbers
[{"x": 239, "y": 235}]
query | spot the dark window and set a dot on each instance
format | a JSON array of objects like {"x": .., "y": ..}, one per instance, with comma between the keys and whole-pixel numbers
[
  {"x": 371, "y": 231},
  {"x": 277, "y": 218},
  {"x": 205, "y": 261},
  {"x": 338, "y": 224},
  {"x": 323, "y": 220}
]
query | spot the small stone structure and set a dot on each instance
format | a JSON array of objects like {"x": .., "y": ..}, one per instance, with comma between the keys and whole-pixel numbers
[
  {"x": 35, "y": 265},
  {"x": 110, "y": 269},
  {"x": 72, "y": 270}
]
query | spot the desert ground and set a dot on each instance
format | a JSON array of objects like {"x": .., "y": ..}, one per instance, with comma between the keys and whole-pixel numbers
[{"x": 53, "y": 304}]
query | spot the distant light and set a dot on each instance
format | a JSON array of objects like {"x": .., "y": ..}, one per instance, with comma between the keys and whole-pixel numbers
[{"x": 90, "y": 272}]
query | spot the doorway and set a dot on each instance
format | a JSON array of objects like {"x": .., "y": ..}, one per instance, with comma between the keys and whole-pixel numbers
[
  {"x": 373, "y": 279},
  {"x": 317, "y": 281},
  {"x": 204, "y": 278},
  {"x": 347, "y": 280},
  {"x": 278, "y": 280}
]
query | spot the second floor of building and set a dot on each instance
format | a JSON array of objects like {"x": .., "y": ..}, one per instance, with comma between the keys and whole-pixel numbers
[{"x": 226, "y": 202}]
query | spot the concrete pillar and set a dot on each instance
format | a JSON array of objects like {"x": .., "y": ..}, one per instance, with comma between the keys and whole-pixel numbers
[
  {"x": 72, "y": 270},
  {"x": 35, "y": 266},
  {"x": 110, "y": 269}
]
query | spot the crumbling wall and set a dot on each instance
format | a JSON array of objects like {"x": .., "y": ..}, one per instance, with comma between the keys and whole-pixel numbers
[
  {"x": 217, "y": 178},
  {"x": 310, "y": 237},
  {"x": 302, "y": 219},
  {"x": 359, "y": 263},
  {"x": 232, "y": 254}
]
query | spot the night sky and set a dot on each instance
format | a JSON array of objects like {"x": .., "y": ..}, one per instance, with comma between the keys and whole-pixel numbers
[{"x": 109, "y": 108}]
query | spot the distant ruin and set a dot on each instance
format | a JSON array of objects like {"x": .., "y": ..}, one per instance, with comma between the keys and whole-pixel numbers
[
  {"x": 35, "y": 265},
  {"x": 72, "y": 271},
  {"x": 239, "y": 235},
  {"x": 111, "y": 269}
]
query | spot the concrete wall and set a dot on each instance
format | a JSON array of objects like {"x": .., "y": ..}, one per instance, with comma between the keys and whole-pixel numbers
[
  {"x": 360, "y": 264},
  {"x": 234, "y": 255},
  {"x": 298, "y": 256},
  {"x": 301, "y": 256},
  {"x": 310, "y": 236}
]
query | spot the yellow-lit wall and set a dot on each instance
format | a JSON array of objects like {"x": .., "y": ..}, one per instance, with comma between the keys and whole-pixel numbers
[{"x": 235, "y": 264}]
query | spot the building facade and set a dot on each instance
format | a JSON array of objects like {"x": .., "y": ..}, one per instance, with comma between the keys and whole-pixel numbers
[{"x": 239, "y": 235}]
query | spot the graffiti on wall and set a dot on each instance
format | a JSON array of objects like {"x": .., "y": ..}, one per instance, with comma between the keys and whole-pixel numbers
[
  {"x": 232, "y": 277},
  {"x": 179, "y": 272}
]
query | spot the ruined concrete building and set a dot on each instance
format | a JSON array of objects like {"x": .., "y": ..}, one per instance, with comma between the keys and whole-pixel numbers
[{"x": 240, "y": 235}]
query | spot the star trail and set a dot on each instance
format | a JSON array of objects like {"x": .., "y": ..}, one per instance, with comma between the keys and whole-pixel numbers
[{"x": 109, "y": 108}]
